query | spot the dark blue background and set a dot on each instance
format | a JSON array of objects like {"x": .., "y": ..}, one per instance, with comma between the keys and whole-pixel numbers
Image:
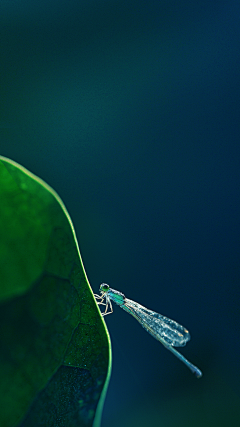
[{"x": 130, "y": 110}]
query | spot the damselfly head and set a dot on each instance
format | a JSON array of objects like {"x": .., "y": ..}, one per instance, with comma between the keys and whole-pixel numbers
[{"x": 104, "y": 287}]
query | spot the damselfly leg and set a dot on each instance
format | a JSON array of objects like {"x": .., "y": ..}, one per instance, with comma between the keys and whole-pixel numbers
[{"x": 107, "y": 304}]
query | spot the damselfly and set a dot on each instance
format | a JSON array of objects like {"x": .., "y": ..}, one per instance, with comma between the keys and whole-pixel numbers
[{"x": 165, "y": 330}]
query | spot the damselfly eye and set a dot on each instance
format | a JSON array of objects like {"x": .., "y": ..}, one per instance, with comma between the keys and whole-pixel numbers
[{"x": 104, "y": 287}]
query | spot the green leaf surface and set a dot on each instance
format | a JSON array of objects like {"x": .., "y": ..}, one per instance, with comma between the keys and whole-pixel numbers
[{"x": 55, "y": 353}]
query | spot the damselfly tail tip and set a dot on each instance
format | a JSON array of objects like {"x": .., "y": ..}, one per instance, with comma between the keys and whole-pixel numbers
[{"x": 198, "y": 373}]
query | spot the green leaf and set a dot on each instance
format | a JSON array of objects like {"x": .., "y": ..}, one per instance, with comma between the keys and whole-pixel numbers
[{"x": 55, "y": 353}]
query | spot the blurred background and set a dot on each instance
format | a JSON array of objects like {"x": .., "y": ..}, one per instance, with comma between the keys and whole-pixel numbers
[{"x": 130, "y": 110}]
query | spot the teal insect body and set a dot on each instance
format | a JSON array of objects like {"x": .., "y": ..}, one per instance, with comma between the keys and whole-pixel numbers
[
  {"x": 116, "y": 297},
  {"x": 165, "y": 330}
]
